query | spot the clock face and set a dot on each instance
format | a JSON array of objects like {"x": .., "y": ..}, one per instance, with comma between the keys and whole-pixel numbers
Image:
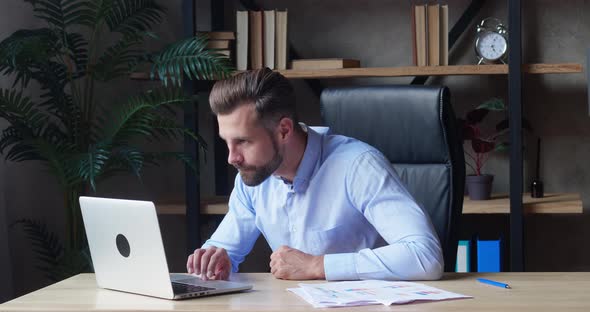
[{"x": 491, "y": 46}]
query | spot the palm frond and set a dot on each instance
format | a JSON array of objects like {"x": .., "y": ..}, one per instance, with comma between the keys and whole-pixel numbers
[
  {"x": 169, "y": 128},
  {"x": 15, "y": 148},
  {"x": 62, "y": 13},
  {"x": 155, "y": 158},
  {"x": 47, "y": 144},
  {"x": 33, "y": 134},
  {"x": 53, "y": 260},
  {"x": 45, "y": 244},
  {"x": 138, "y": 115},
  {"x": 119, "y": 59},
  {"x": 124, "y": 159},
  {"x": 61, "y": 158},
  {"x": 98, "y": 11},
  {"x": 53, "y": 79},
  {"x": 77, "y": 50},
  {"x": 133, "y": 16},
  {"x": 72, "y": 262},
  {"x": 10, "y": 136},
  {"x": 93, "y": 162},
  {"x": 191, "y": 58},
  {"x": 23, "y": 51},
  {"x": 21, "y": 112}
]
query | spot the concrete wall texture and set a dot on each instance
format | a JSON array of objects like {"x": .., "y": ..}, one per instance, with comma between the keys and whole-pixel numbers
[{"x": 378, "y": 33}]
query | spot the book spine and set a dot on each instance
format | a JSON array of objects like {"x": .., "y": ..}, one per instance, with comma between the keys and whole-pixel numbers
[
  {"x": 433, "y": 31},
  {"x": 242, "y": 40},
  {"x": 463, "y": 256},
  {"x": 269, "y": 38},
  {"x": 413, "y": 34},
  {"x": 281, "y": 40},
  {"x": 421, "y": 39},
  {"x": 444, "y": 34},
  {"x": 256, "y": 40}
]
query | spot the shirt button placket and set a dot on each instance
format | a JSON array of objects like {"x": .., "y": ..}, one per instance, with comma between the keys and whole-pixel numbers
[{"x": 290, "y": 210}]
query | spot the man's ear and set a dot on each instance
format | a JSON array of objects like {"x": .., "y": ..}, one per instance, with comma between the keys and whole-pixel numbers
[{"x": 285, "y": 128}]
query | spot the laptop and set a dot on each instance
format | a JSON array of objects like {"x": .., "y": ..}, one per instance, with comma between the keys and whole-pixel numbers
[{"x": 128, "y": 254}]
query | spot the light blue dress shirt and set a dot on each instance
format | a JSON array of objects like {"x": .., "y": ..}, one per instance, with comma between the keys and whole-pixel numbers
[{"x": 346, "y": 202}]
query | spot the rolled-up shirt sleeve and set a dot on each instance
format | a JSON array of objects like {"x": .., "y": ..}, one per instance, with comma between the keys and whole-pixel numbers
[
  {"x": 413, "y": 251},
  {"x": 237, "y": 233}
]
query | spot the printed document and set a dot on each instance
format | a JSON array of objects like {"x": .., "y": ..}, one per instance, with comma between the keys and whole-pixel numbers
[{"x": 355, "y": 293}]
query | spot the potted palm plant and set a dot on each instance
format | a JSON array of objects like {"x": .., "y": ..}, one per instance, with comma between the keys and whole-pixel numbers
[{"x": 77, "y": 139}]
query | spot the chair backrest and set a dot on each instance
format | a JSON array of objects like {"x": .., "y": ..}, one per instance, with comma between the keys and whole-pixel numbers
[{"x": 415, "y": 128}]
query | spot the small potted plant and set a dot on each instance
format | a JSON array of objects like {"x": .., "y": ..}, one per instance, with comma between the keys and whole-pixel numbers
[{"x": 479, "y": 185}]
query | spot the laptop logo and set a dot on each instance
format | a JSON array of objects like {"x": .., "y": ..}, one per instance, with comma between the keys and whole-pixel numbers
[{"x": 123, "y": 245}]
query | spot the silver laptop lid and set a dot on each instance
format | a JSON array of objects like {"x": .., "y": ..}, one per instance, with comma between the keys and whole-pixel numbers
[{"x": 126, "y": 246}]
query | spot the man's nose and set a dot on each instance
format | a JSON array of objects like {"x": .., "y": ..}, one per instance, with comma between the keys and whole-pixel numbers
[{"x": 234, "y": 158}]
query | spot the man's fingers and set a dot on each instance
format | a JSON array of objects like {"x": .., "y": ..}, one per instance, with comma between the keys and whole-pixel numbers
[
  {"x": 221, "y": 272},
  {"x": 278, "y": 252},
  {"x": 196, "y": 265},
  {"x": 205, "y": 259},
  {"x": 210, "y": 263},
  {"x": 189, "y": 264},
  {"x": 273, "y": 263},
  {"x": 216, "y": 259}
]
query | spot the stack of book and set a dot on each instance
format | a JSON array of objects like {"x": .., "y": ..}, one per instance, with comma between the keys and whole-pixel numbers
[
  {"x": 430, "y": 34},
  {"x": 324, "y": 63},
  {"x": 261, "y": 39},
  {"x": 220, "y": 41}
]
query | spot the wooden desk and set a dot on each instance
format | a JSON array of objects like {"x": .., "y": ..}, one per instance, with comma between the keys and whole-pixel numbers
[{"x": 530, "y": 292}]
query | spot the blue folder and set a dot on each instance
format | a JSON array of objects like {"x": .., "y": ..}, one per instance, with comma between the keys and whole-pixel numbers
[{"x": 489, "y": 256}]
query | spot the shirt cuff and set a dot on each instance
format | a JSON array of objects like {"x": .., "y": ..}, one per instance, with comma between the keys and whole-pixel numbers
[{"x": 340, "y": 267}]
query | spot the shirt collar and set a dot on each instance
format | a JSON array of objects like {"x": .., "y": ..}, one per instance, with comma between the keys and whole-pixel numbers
[{"x": 309, "y": 160}]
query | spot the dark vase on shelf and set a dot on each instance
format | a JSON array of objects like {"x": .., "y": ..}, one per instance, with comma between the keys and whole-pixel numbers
[
  {"x": 537, "y": 189},
  {"x": 479, "y": 187}
]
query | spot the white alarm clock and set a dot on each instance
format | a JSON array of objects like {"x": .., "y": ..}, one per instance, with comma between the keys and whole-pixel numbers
[{"x": 491, "y": 43}]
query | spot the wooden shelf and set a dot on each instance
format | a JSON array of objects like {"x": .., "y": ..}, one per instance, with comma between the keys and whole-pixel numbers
[
  {"x": 499, "y": 204},
  {"x": 407, "y": 71},
  {"x": 216, "y": 205},
  {"x": 455, "y": 70},
  {"x": 551, "y": 203}
]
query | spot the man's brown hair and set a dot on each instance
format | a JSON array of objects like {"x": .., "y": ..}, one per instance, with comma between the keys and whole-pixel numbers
[{"x": 269, "y": 91}]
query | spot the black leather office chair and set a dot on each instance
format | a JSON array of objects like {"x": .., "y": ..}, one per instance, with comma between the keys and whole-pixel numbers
[{"x": 415, "y": 128}]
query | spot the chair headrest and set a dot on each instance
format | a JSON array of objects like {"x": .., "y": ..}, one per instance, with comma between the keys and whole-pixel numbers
[{"x": 406, "y": 123}]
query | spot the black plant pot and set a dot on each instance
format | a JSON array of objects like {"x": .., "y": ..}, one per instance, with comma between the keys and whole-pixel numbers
[{"x": 479, "y": 187}]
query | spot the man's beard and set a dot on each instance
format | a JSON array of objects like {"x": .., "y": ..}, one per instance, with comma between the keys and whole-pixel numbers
[{"x": 253, "y": 176}]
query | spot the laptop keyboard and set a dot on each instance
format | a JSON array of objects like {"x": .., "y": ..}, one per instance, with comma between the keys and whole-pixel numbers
[{"x": 179, "y": 288}]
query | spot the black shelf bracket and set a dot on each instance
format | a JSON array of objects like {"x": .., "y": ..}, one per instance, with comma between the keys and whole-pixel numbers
[
  {"x": 515, "y": 120},
  {"x": 588, "y": 78},
  {"x": 191, "y": 122}
]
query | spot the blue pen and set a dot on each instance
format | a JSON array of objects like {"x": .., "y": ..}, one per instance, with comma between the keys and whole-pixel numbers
[{"x": 493, "y": 283}]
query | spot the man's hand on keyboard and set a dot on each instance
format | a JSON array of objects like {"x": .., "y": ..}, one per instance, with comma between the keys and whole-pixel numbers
[{"x": 211, "y": 263}]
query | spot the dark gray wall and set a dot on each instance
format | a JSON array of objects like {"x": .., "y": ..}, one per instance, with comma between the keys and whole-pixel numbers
[
  {"x": 6, "y": 291},
  {"x": 378, "y": 33}
]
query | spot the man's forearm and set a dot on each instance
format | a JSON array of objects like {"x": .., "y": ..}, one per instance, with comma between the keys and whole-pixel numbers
[{"x": 400, "y": 261}]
